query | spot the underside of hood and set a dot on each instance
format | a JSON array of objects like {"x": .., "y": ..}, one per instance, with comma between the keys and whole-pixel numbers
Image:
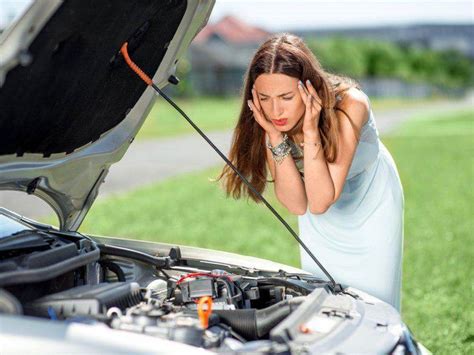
[
  {"x": 70, "y": 95},
  {"x": 69, "y": 105}
]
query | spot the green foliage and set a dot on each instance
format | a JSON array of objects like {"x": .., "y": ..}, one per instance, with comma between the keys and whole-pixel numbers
[
  {"x": 459, "y": 70},
  {"x": 341, "y": 55},
  {"x": 359, "y": 58},
  {"x": 382, "y": 59}
]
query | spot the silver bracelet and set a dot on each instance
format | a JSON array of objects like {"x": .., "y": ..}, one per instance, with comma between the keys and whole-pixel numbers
[{"x": 280, "y": 151}]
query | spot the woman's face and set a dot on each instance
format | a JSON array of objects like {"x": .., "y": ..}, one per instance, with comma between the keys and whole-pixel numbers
[{"x": 280, "y": 100}]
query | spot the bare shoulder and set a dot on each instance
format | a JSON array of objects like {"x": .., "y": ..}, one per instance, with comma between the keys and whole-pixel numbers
[{"x": 356, "y": 105}]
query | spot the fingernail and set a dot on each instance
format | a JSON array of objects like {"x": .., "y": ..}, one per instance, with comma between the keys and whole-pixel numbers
[
  {"x": 248, "y": 104},
  {"x": 300, "y": 83},
  {"x": 308, "y": 82}
]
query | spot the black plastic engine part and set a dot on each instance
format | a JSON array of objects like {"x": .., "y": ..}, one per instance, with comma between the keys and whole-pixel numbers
[
  {"x": 254, "y": 324},
  {"x": 87, "y": 300},
  {"x": 198, "y": 288},
  {"x": 35, "y": 256},
  {"x": 114, "y": 267}
]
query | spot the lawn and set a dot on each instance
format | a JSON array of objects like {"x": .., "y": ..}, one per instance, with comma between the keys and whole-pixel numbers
[
  {"x": 435, "y": 160},
  {"x": 209, "y": 113},
  {"x": 213, "y": 113}
]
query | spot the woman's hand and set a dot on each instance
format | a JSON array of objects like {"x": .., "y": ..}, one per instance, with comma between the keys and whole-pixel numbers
[
  {"x": 259, "y": 116},
  {"x": 313, "y": 105}
]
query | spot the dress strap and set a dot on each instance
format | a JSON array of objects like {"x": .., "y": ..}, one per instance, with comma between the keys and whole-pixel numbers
[
  {"x": 367, "y": 96},
  {"x": 339, "y": 98}
]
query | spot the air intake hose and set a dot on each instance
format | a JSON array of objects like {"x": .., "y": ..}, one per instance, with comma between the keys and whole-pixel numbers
[{"x": 253, "y": 324}]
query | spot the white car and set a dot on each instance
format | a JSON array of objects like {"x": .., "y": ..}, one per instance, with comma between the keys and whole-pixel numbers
[{"x": 70, "y": 107}]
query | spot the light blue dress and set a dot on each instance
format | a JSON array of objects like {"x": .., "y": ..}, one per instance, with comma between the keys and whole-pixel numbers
[{"x": 359, "y": 239}]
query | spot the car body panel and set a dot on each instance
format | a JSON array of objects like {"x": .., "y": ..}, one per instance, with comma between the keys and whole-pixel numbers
[
  {"x": 61, "y": 337},
  {"x": 215, "y": 257}
]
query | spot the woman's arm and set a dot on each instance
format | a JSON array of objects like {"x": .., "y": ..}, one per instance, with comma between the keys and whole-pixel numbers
[
  {"x": 288, "y": 186},
  {"x": 324, "y": 181}
]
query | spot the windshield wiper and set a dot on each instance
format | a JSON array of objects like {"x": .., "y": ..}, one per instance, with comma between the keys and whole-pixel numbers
[
  {"x": 335, "y": 286},
  {"x": 26, "y": 220}
]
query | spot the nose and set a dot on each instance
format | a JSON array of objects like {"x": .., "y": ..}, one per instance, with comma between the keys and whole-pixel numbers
[{"x": 277, "y": 108}]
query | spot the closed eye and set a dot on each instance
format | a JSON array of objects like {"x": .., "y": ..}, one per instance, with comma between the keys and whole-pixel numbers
[{"x": 284, "y": 98}]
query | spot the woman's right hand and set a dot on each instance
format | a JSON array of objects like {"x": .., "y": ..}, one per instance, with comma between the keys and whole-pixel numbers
[{"x": 268, "y": 127}]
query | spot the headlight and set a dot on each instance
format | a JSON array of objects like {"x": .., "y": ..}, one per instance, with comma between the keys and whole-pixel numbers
[{"x": 406, "y": 343}]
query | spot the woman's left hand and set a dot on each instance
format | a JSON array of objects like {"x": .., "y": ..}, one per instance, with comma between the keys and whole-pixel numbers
[{"x": 313, "y": 105}]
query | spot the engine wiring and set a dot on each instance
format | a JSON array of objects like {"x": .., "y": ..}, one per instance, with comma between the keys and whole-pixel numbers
[{"x": 196, "y": 274}]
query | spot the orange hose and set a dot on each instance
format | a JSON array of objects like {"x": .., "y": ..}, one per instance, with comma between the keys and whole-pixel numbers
[
  {"x": 204, "y": 314},
  {"x": 134, "y": 67}
]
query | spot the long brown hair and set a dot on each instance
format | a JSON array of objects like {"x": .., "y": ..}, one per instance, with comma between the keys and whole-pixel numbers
[{"x": 286, "y": 54}]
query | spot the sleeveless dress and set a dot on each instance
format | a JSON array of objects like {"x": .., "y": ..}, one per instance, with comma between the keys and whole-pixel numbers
[{"x": 359, "y": 239}]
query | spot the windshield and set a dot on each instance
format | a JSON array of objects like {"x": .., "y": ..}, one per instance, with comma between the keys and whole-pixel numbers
[
  {"x": 10, "y": 10},
  {"x": 9, "y": 226}
]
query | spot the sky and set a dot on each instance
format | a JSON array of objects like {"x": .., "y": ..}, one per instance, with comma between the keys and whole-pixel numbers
[{"x": 308, "y": 14}]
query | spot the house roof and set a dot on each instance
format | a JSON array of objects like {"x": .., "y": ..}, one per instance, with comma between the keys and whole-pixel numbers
[{"x": 232, "y": 30}]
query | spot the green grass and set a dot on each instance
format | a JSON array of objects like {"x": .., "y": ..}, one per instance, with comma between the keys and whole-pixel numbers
[
  {"x": 435, "y": 160},
  {"x": 437, "y": 175},
  {"x": 191, "y": 210},
  {"x": 209, "y": 113},
  {"x": 213, "y": 114}
]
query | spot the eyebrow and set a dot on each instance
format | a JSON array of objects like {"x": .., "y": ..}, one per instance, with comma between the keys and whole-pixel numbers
[{"x": 286, "y": 93}]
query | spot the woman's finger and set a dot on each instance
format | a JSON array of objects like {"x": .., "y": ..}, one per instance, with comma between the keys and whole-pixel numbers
[
  {"x": 302, "y": 91},
  {"x": 312, "y": 91},
  {"x": 260, "y": 116},
  {"x": 256, "y": 113},
  {"x": 309, "y": 106},
  {"x": 316, "y": 105},
  {"x": 255, "y": 98},
  {"x": 252, "y": 108}
]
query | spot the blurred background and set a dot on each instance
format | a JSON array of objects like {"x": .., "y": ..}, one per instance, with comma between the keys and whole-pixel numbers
[
  {"x": 395, "y": 49},
  {"x": 414, "y": 60}
]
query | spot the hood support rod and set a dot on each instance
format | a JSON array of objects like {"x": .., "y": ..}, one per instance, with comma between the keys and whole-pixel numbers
[{"x": 336, "y": 288}]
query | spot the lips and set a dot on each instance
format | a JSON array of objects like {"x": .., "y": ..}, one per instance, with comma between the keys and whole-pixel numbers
[{"x": 280, "y": 122}]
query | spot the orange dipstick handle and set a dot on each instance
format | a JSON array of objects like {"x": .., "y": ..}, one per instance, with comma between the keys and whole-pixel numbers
[
  {"x": 204, "y": 314},
  {"x": 134, "y": 67}
]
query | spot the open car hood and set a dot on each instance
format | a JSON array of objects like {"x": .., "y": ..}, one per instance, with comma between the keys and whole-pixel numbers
[{"x": 68, "y": 109}]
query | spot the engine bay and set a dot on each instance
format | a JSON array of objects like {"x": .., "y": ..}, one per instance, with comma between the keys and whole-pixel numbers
[{"x": 160, "y": 296}]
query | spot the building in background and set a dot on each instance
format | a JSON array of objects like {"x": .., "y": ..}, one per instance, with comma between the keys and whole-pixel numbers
[{"x": 220, "y": 54}]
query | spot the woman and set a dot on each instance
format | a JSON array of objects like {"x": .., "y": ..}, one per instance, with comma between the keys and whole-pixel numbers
[{"x": 315, "y": 132}]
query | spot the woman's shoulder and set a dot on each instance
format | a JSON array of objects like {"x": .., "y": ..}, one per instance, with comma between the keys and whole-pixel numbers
[{"x": 354, "y": 102}]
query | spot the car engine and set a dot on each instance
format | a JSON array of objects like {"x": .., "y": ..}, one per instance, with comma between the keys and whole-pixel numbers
[{"x": 70, "y": 278}]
